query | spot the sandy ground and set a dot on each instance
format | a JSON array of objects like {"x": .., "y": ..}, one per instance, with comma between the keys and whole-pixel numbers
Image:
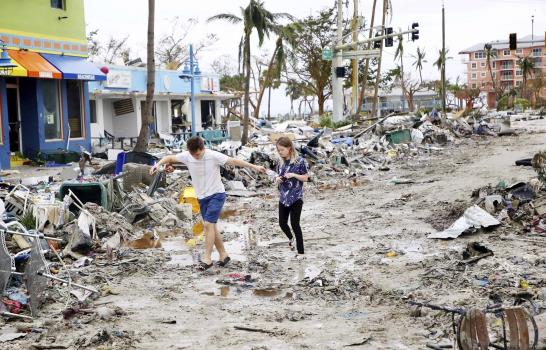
[{"x": 347, "y": 290}]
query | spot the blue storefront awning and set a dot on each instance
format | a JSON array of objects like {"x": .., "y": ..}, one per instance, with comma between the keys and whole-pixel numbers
[{"x": 75, "y": 67}]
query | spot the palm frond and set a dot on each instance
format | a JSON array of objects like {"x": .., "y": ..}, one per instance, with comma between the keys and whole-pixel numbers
[{"x": 225, "y": 17}]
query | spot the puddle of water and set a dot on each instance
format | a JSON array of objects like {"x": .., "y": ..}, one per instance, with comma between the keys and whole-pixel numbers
[
  {"x": 180, "y": 251},
  {"x": 236, "y": 247},
  {"x": 266, "y": 292}
]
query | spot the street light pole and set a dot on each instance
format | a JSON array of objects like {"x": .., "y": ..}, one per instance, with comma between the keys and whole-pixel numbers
[{"x": 190, "y": 72}]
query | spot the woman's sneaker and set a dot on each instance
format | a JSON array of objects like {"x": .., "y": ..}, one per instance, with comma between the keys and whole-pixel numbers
[
  {"x": 299, "y": 257},
  {"x": 291, "y": 244}
]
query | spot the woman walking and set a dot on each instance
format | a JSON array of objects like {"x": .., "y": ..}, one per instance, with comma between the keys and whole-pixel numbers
[{"x": 293, "y": 172}]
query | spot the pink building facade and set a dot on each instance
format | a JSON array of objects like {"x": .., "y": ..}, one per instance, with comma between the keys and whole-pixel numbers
[{"x": 504, "y": 66}]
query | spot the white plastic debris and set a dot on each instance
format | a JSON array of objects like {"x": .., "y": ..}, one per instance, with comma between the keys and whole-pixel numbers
[{"x": 473, "y": 217}]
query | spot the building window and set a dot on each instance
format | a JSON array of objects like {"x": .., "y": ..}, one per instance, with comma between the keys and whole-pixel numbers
[
  {"x": 482, "y": 74},
  {"x": 537, "y": 52},
  {"x": 474, "y": 65},
  {"x": 519, "y": 72},
  {"x": 483, "y": 84},
  {"x": 74, "y": 96},
  {"x": 506, "y": 52},
  {"x": 474, "y": 85},
  {"x": 58, "y": 4},
  {"x": 518, "y": 83},
  {"x": 519, "y": 51},
  {"x": 479, "y": 55},
  {"x": 473, "y": 75},
  {"x": 482, "y": 65},
  {"x": 92, "y": 111},
  {"x": 53, "y": 124},
  {"x": 494, "y": 75},
  {"x": 494, "y": 65}
]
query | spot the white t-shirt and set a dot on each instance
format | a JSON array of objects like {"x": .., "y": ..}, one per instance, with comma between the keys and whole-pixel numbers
[{"x": 205, "y": 172}]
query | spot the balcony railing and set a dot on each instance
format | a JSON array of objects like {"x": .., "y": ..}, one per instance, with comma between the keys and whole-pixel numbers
[
  {"x": 507, "y": 77},
  {"x": 506, "y": 66}
]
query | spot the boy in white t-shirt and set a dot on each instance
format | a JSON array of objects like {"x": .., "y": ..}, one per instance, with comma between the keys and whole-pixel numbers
[{"x": 204, "y": 167}]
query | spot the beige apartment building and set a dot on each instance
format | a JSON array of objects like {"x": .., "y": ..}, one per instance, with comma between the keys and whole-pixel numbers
[{"x": 504, "y": 65}]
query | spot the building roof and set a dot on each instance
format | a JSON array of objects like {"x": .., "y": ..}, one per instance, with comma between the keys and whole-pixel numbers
[{"x": 538, "y": 41}]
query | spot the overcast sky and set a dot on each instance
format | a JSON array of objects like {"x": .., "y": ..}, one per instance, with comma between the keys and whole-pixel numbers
[{"x": 468, "y": 22}]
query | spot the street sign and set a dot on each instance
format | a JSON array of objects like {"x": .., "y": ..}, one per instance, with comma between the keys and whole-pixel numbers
[
  {"x": 327, "y": 54},
  {"x": 360, "y": 54}
]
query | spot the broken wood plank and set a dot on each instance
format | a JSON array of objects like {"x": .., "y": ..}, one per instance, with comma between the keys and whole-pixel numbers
[{"x": 257, "y": 330}]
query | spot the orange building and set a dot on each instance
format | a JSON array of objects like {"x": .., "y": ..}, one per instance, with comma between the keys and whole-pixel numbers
[{"x": 504, "y": 65}]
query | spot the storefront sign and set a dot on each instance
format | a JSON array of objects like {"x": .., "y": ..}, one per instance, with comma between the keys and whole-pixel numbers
[
  {"x": 118, "y": 79},
  {"x": 86, "y": 76}
]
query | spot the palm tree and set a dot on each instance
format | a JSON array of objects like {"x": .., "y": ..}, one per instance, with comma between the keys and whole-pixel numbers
[
  {"x": 399, "y": 53},
  {"x": 441, "y": 64},
  {"x": 285, "y": 34},
  {"x": 142, "y": 141},
  {"x": 489, "y": 55},
  {"x": 420, "y": 59},
  {"x": 254, "y": 16},
  {"x": 527, "y": 66}
]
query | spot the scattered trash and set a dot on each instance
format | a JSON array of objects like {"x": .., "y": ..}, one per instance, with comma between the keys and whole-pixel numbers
[{"x": 473, "y": 217}]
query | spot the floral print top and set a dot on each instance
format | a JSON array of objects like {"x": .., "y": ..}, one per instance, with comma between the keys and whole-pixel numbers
[{"x": 291, "y": 190}]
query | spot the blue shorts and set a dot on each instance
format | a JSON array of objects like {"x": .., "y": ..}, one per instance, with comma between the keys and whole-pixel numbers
[{"x": 211, "y": 207}]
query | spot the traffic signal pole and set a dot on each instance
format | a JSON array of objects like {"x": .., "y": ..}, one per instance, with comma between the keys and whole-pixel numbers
[
  {"x": 337, "y": 61},
  {"x": 355, "y": 108}
]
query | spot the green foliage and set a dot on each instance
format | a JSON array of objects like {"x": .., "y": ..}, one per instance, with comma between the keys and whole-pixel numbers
[
  {"x": 502, "y": 104},
  {"x": 327, "y": 122},
  {"x": 522, "y": 103},
  {"x": 28, "y": 220},
  {"x": 232, "y": 82}
]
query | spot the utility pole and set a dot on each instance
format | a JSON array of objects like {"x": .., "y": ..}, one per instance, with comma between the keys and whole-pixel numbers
[
  {"x": 337, "y": 61},
  {"x": 355, "y": 107},
  {"x": 378, "y": 73},
  {"x": 444, "y": 58}
]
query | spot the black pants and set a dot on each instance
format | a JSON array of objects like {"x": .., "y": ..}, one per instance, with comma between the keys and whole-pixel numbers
[{"x": 294, "y": 211}]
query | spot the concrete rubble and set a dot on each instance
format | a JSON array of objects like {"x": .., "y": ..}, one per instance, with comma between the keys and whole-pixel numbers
[{"x": 111, "y": 232}]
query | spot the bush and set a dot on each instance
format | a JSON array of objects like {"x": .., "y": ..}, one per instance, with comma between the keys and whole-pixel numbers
[
  {"x": 327, "y": 122},
  {"x": 502, "y": 104},
  {"x": 522, "y": 103}
]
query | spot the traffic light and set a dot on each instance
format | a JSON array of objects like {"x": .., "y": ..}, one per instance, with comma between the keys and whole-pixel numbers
[
  {"x": 377, "y": 43},
  {"x": 341, "y": 72},
  {"x": 390, "y": 40},
  {"x": 513, "y": 41},
  {"x": 415, "y": 34}
]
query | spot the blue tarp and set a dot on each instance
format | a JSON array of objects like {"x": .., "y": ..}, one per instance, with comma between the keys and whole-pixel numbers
[{"x": 75, "y": 67}]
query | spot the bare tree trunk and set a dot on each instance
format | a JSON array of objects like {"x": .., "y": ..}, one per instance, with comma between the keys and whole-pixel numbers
[
  {"x": 142, "y": 141},
  {"x": 321, "y": 101},
  {"x": 366, "y": 67},
  {"x": 267, "y": 78},
  {"x": 244, "y": 138},
  {"x": 378, "y": 74}
]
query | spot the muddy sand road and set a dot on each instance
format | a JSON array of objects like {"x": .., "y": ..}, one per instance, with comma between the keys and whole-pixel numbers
[{"x": 366, "y": 249}]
